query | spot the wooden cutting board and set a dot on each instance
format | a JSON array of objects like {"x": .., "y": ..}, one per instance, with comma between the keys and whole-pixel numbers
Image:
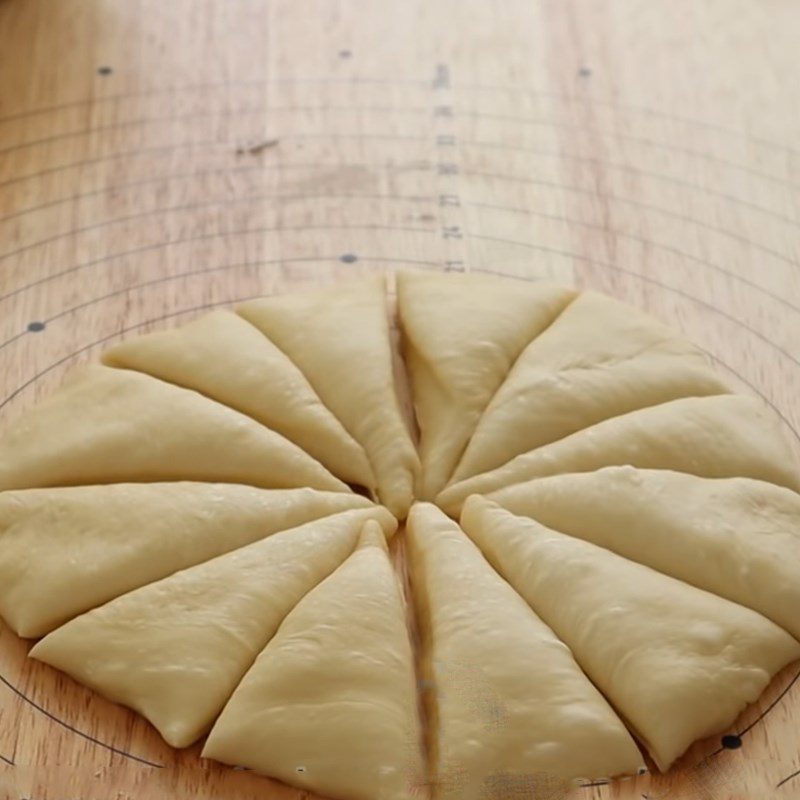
[{"x": 158, "y": 159}]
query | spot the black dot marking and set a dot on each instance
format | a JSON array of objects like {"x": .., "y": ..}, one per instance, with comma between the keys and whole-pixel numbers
[
  {"x": 104, "y": 70},
  {"x": 345, "y": 54},
  {"x": 348, "y": 258},
  {"x": 35, "y": 327},
  {"x": 301, "y": 769},
  {"x": 731, "y": 742},
  {"x": 584, "y": 72}
]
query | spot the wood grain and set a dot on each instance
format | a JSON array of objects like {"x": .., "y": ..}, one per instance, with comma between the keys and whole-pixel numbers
[{"x": 648, "y": 150}]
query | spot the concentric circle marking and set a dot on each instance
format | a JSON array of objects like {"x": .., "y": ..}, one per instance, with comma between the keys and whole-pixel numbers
[{"x": 734, "y": 234}]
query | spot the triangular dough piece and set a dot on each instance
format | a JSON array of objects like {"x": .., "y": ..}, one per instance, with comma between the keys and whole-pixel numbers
[
  {"x": 509, "y": 703},
  {"x": 340, "y": 340},
  {"x": 113, "y": 425},
  {"x": 64, "y": 551},
  {"x": 175, "y": 650},
  {"x": 721, "y": 436},
  {"x": 225, "y": 358},
  {"x": 735, "y": 537},
  {"x": 677, "y": 662},
  {"x": 331, "y": 704},
  {"x": 599, "y": 359},
  {"x": 462, "y": 334}
]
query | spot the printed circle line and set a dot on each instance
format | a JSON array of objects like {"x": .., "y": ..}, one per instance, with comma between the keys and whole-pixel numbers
[
  {"x": 422, "y": 84},
  {"x": 192, "y": 206},
  {"x": 207, "y": 270},
  {"x": 646, "y": 279},
  {"x": 203, "y": 237}
]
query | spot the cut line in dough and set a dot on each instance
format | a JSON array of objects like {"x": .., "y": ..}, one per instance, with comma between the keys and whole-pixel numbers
[
  {"x": 735, "y": 537},
  {"x": 109, "y": 425},
  {"x": 227, "y": 359},
  {"x": 330, "y": 705},
  {"x": 176, "y": 649},
  {"x": 599, "y": 359},
  {"x": 458, "y": 360},
  {"x": 66, "y": 550},
  {"x": 340, "y": 340},
  {"x": 678, "y": 663},
  {"x": 508, "y": 705},
  {"x": 719, "y": 436}
]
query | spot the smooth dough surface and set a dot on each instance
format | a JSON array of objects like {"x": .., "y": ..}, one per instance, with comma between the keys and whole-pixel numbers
[
  {"x": 462, "y": 333},
  {"x": 509, "y": 703},
  {"x": 678, "y": 663},
  {"x": 64, "y": 551},
  {"x": 109, "y": 425},
  {"x": 176, "y": 649},
  {"x": 719, "y": 436},
  {"x": 224, "y": 357},
  {"x": 331, "y": 705},
  {"x": 599, "y": 359},
  {"x": 735, "y": 537},
  {"x": 340, "y": 339}
]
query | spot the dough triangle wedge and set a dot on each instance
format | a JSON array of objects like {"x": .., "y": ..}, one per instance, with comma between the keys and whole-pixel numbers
[
  {"x": 718, "y": 436},
  {"x": 678, "y": 663},
  {"x": 109, "y": 425},
  {"x": 225, "y": 358},
  {"x": 462, "y": 333},
  {"x": 735, "y": 537},
  {"x": 64, "y": 551},
  {"x": 331, "y": 705},
  {"x": 176, "y": 649},
  {"x": 599, "y": 359},
  {"x": 340, "y": 339},
  {"x": 509, "y": 708}
]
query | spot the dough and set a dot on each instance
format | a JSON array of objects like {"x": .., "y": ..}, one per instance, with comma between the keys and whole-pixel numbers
[
  {"x": 152, "y": 508},
  {"x": 112, "y": 425},
  {"x": 677, "y": 663},
  {"x": 462, "y": 334},
  {"x": 719, "y": 436},
  {"x": 330, "y": 705},
  {"x": 509, "y": 706},
  {"x": 176, "y": 649},
  {"x": 66, "y": 550},
  {"x": 340, "y": 340},
  {"x": 599, "y": 359},
  {"x": 225, "y": 358},
  {"x": 735, "y": 537}
]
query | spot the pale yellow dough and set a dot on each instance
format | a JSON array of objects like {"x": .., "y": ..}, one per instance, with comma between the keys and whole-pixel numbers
[
  {"x": 64, "y": 551},
  {"x": 340, "y": 340},
  {"x": 735, "y": 537},
  {"x": 719, "y": 436},
  {"x": 176, "y": 649},
  {"x": 509, "y": 705},
  {"x": 225, "y": 358},
  {"x": 462, "y": 333},
  {"x": 599, "y": 359},
  {"x": 112, "y": 425},
  {"x": 678, "y": 663},
  {"x": 330, "y": 705},
  {"x": 177, "y": 523}
]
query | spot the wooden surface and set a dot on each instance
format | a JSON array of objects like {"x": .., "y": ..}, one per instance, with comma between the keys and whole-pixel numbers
[{"x": 646, "y": 149}]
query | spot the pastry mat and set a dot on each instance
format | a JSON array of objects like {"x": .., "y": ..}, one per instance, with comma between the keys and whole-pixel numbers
[{"x": 157, "y": 160}]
